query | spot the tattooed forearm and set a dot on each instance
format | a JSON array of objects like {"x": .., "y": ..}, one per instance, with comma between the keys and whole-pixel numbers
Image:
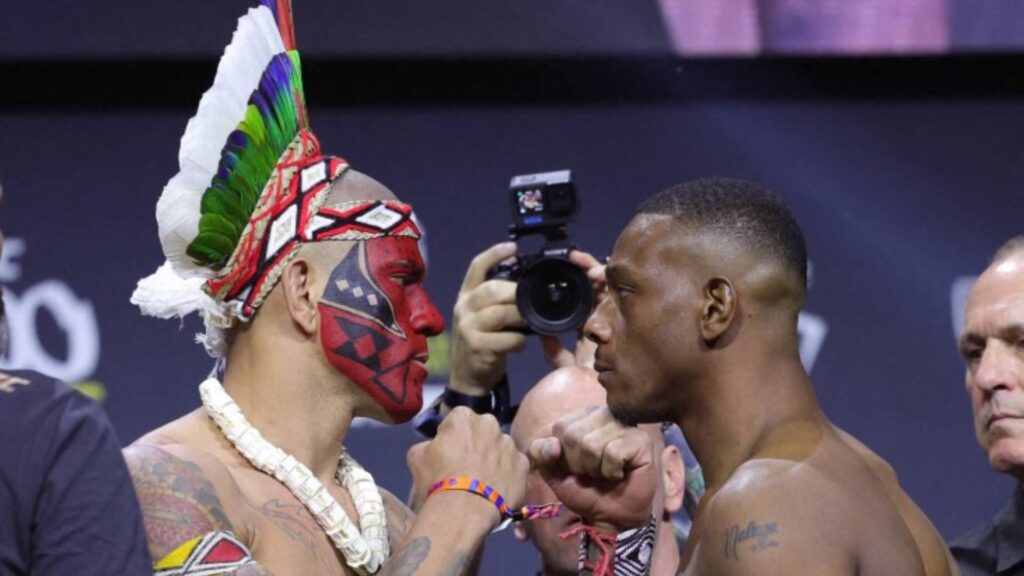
[
  {"x": 407, "y": 560},
  {"x": 178, "y": 502},
  {"x": 761, "y": 537},
  {"x": 457, "y": 567}
]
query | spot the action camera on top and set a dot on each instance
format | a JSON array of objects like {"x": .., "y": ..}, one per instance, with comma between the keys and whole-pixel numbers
[{"x": 552, "y": 294}]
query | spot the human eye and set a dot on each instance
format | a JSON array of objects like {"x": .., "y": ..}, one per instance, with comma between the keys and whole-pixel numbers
[{"x": 971, "y": 353}]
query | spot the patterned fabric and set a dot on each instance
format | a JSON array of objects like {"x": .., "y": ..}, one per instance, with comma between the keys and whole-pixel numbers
[
  {"x": 291, "y": 212},
  {"x": 297, "y": 188},
  {"x": 210, "y": 555},
  {"x": 634, "y": 550},
  {"x": 632, "y": 555}
]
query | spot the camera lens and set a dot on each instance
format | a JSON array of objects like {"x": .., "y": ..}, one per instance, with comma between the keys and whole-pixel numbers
[{"x": 554, "y": 296}]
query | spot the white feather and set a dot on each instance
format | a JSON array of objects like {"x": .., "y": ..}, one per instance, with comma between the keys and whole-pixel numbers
[
  {"x": 255, "y": 42},
  {"x": 165, "y": 294}
]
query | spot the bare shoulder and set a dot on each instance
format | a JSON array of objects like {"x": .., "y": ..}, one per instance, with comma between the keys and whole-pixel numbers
[
  {"x": 184, "y": 492},
  {"x": 399, "y": 516},
  {"x": 774, "y": 517},
  {"x": 929, "y": 543}
]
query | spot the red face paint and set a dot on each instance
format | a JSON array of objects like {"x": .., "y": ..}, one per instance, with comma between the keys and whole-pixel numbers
[{"x": 375, "y": 318}]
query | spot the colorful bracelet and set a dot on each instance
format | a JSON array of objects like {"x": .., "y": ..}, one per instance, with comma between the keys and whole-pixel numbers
[{"x": 469, "y": 484}]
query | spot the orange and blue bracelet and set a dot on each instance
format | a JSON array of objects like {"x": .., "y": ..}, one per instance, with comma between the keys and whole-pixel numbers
[{"x": 469, "y": 484}]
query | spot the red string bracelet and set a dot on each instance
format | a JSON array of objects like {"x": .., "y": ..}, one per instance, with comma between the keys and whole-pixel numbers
[
  {"x": 470, "y": 484},
  {"x": 605, "y": 543}
]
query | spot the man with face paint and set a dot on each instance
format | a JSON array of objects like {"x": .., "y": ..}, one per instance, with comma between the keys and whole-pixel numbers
[
  {"x": 309, "y": 278},
  {"x": 65, "y": 494},
  {"x": 697, "y": 324}
]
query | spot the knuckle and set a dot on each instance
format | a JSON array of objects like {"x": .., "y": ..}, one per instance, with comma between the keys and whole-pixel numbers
[
  {"x": 489, "y": 424},
  {"x": 593, "y": 444},
  {"x": 572, "y": 438}
]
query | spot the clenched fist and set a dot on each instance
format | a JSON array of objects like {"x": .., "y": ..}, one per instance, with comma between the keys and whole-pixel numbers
[
  {"x": 470, "y": 444},
  {"x": 600, "y": 469}
]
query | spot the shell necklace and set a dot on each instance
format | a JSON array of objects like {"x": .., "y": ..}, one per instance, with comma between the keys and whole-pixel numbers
[{"x": 365, "y": 553}]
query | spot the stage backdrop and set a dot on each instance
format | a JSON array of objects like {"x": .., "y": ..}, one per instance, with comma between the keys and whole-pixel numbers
[
  {"x": 902, "y": 202},
  {"x": 390, "y": 28}
]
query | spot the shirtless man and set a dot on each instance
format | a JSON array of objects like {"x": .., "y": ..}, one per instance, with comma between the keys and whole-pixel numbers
[
  {"x": 309, "y": 278},
  {"x": 698, "y": 325}
]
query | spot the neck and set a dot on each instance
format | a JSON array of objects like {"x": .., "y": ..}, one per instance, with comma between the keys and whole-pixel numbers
[
  {"x": 281, "y": 394},
  {"x": 733, "y": 412},
  {"x": 666, "y": 550}
]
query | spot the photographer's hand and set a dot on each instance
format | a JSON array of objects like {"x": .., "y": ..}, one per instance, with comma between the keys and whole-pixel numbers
[
  {"x": 583, "y": 356},
  {"x": 484, "y": 312}
]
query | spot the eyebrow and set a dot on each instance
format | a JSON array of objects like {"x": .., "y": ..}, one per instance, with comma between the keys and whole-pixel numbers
[
  {"x": 616, "y": 271},
  {"x": 1007, "y": 331}
]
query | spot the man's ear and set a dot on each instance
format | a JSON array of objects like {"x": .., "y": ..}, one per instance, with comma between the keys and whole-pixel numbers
[
  {"x": 296, "y": 282},
  {"x": 673, "y": 476},
  {"x": 718, "y": 310}
]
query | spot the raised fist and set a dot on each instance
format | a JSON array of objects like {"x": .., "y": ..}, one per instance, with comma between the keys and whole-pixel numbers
[
  {"x": 599, "y": 469},
  {"x": 470, "y": 444}
]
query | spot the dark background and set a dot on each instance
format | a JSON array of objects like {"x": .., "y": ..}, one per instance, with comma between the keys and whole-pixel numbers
[{"x": 905, "y": 173}]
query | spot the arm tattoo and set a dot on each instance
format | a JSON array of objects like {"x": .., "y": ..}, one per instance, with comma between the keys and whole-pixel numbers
[
  {"x": 178, "y": 502},
  {"x": 457, "y": 567},
  {"x": 762, "y": 536},
  {"x": 408, "y": 559}
]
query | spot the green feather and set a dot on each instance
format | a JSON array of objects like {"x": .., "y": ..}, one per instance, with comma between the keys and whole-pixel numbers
[{"x": 247, "y": 162}]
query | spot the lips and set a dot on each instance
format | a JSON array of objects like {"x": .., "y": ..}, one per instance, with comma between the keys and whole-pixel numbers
[{"x": 1001, "y": 417}]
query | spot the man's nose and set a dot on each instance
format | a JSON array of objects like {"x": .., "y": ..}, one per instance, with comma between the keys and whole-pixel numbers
[
  {"x": 425, "y": 317},
  {"x": 597, "y": 329},
  {"x": 1001, "y": 366}
]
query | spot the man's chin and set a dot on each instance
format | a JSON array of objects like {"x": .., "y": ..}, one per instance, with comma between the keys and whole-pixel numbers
[{"x": 632, "y": 415}]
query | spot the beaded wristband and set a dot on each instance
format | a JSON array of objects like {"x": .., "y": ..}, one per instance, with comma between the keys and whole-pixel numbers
[{"x": 470, "y": 484}]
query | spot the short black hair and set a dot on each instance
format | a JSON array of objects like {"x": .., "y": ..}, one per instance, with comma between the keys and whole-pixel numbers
[
  {"x": 1009, "y": 248},
  {"x": 743, "y": 211}
]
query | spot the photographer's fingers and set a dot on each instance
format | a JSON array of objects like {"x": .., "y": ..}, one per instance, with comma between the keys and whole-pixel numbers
[
  {"x": 484, "y": 261},
  {"x": 489, "y": 294},
  {"x": 556, "y": 354},
  {"x": 499, "y": 342},
  {"x": 596, "y": 274},
  {"x": 585, "y": 351},
  {"x": 497, "y": 318},
  {"x": 584, "y": 260}
]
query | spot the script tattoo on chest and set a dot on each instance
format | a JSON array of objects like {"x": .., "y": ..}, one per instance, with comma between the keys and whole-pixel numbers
[
  {"x": 759, "y": 537},
  {"x": 294, "y": 521}
]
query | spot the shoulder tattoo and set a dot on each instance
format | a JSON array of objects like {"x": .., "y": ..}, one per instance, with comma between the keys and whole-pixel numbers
[
  {"x": 178, "y": 502},
  {"x": 753, "y": 538}
]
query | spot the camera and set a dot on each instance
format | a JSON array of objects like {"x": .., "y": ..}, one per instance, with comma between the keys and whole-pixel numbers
[{"x": 552, "y": 294}]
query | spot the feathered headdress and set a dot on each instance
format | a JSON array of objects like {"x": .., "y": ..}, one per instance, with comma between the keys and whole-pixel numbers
[{"x": 250, "y": 186}]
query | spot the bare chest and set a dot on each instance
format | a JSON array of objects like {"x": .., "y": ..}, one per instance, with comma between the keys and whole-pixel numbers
[{"x": 284, "y": 536}]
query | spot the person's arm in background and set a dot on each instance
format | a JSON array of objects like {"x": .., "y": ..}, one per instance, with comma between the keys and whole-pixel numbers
[{"x": 88, "y": 519}]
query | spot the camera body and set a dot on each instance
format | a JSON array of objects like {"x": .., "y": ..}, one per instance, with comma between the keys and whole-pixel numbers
[{"x": 552, "y": 294}]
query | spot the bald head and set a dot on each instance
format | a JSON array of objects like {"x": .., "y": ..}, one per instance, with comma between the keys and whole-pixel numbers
[
  {"x": 351, "y": 186},
  {"x": 561, "y": 392},
  {"x": 354, "y": 185}
]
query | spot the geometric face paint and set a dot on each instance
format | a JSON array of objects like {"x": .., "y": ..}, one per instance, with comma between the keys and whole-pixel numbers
[{"x": 375, "y": 318}]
